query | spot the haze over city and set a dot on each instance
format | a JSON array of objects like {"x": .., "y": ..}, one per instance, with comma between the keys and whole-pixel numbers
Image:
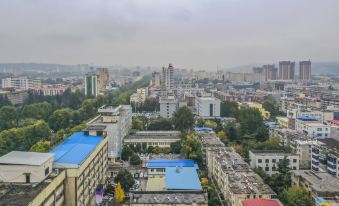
[{"x": 196, "y": 34}]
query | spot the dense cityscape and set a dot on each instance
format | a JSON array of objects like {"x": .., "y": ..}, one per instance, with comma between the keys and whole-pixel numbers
[
  {"x": 169, "y": 103},
  {"x": 169, "y": 136}
]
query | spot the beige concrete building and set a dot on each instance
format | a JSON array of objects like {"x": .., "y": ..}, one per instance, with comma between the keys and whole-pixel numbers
[
  {"x": 27, "y": 178},
  {"x": 233, "y": 176},
  {"x": 84, "y": 158},
  {"x": 318, "y": 184}
]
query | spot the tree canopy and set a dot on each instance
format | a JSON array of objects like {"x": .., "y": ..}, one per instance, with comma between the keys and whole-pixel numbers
[
  {"x": 183, "y": 119},
  {"x": 125, "y": 178}
]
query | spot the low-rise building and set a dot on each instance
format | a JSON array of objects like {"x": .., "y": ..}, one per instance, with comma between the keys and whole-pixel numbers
[
  {"x": 318, "y": 184},
  {"x": 233, "y": 176},
  {"x": 153, "y": 138},
  {"x": 207, "y": 107},
  {"x": 28, "y": 178},
  {"x": 167, "y": 198},
  {"x": 311, "y": 127},
  {"x": 261, "y": 202},
  {"x": 268, "y": 161}
]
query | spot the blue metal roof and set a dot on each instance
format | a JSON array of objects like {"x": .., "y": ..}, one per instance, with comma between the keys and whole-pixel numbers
[
  {"x": 76, "y": 148},
  {"x": 203, "y": 129},
  {"x": 182, "y": 178},
  {"x": 170, "y": 163},
  {"x": 307, "y": 118}
]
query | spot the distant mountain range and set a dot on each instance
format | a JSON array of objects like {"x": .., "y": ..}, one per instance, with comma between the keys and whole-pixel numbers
[{"x": 317, "y": 68}]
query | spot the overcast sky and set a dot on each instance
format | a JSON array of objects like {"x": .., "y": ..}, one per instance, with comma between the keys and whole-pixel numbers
[{"x": 199, "y": 34}]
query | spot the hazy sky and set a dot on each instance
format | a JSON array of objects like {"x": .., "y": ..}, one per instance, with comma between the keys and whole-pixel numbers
[{"x": 200, "y": 34}]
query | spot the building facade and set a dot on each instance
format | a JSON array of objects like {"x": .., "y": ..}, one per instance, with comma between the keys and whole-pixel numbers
[
  {"x": 207, "y": 107},
  {"x": 286, "y": 70},
  {"x": 305, "y": 70},
  {"x": 268, "y": 161},
  {"x": 91, "y": 84}
]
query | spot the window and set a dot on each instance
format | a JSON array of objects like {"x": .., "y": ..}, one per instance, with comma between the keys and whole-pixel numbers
[
  {"x": 267, "y": 160},
  {"x": 274, "y": 168},
  {"x": 28, "y": 178},
  {"x": 46, "y": 171},
  {"x": 259, "y": 160},
  {"x": 294, "y": 168},
  {"x": 211, "y": 110},
  {"x": 267, "y": 169},
  {"x": 274, "y": 160},
  {"x": 294, "y": 160}
]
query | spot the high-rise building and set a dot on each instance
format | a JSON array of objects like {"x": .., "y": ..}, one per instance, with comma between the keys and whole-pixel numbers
[
  {"x": 167, "y": 77},
  {"x": 103, "y": 79},
  {"x": 168, "y": 105},
  {"x": 156, "y": 78},
  {"x": 305, "y": 70},
  {"x": 91, "y": 84},
  {"x": 116, "y": 122},
  {"x": 270, "y": 72},
  {"x": 286, "y": 70},
  {"x": 207, "y": 107},
  {"x": 259, "y": 74}
]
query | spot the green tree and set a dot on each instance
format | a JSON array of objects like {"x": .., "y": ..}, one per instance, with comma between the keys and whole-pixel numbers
[
  {"x": 183, "y": 119},
  {"x": 4, "y": 101},
  {"x": 211, "y": 124},
  {"x": 89, "y": 108},
  {"x": 41, "y": 146},
  {"x": 135, "y": 160},
  {"x": 296, "y": 195},
  {"x": 125, "y": 178},
  {"x": 126, "y": 153},
  {"x": 144, "y": 147},
  {"x": 191, "y": 148},
  {"x": 37, "y": 111},
  {"x": 61, "y": 118},
  {"x": 200, "y": 122},
  {"x": 137, "y": 124},
  {"x": 272, "y": 107},
  {"x": 150, "y": 149},
  {"x": 229, "y": 109},
  {"x": 160, "y": 124},
  {"x": 138, "y": 148},
  {"x": 176, "y": 147},
  {"x": 8, "y": 117}
]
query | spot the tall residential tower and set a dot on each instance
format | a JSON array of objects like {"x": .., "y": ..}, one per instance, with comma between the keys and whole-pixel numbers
[{"x": 305, "y": 70}]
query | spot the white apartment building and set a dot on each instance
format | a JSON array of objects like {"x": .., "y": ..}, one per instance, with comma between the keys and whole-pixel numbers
[
  {"x": 168, "y": 105},
  {"x": 314, "y": 130},
  {"x": 268, "y": 160},
  {"x": 21, "y": 83},
  {"x": 116, "y": 122},
  {"x": 207, "y": 107},
  {"x": 167, "y": 80}
]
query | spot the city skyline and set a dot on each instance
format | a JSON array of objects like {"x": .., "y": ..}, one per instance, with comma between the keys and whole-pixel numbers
[{"x": 190, "y": 34}]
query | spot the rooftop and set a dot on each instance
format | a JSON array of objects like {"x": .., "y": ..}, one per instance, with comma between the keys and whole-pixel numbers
[
  {"x": 74, "y": 150},
  {"x": 272, "y": 152},
  {"x": 248, "y": 183},
  {"x": 320, "y": 181},
  {"x": 307, "y": 118},
  {"x": 261, "y": 202},
  {"x": 203, "y": 129},
  {"x": 169, "y": 197},
  {"x": 22, "y": 195},
  {"x": 330, "y": 143},
  {"x": 165, "y": 156},
  {"x": 25, "y": 158},
  {"x": 170, "y": 163},
  {"x": 182, "y": 178}
]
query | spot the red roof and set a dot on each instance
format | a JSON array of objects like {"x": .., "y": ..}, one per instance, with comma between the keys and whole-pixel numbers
[
  {"x": 261, "y": 202},
  {"x": 334, "y": 122}
]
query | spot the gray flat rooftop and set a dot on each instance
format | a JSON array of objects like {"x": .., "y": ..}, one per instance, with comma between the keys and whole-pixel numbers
[
  {"x": 271, "y": 153},
  {"x": 319, "y": 181},
  {"x": 22, "y": 194},
  {"x": 165, "y": 156},
  {"x": 25, "y": 158},
  {"x": 248, "y": 183},
  {"x": 168, "y": 197}
]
